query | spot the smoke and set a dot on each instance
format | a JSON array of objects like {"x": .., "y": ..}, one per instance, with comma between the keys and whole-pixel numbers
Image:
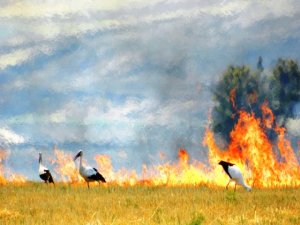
[{"x": 293, "y": 126}]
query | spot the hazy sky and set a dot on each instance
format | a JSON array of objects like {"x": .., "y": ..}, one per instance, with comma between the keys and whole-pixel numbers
[{"x": 126, "y": 78}]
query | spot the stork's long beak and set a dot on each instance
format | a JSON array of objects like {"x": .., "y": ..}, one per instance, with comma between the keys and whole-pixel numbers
[{"x": 78, "y": 154}]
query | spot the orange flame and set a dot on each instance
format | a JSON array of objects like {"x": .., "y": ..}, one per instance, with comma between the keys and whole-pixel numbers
[
  {"x": 122, "y": 177},
  {"x": 232, "y": 95},
  {"x": 183, "y": 157},
  {"x": 267, "y": 116},
  {"x": 3, "y": 156},
  {"x": 12, "y": 177},
  {"x": 264, "y": 164},
  {"x": 253, "y": 152},
  {"x": 65, "y": 167},
  {"x": 249, "y": 148}
]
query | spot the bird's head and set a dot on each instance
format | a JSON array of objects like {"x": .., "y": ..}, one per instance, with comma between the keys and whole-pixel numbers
[
  {"x": 78, "y": 155},
  {"x": 221, "y": 162},
  {"x": 40, "y": 157},
  {"x": 224, "y": 163}
]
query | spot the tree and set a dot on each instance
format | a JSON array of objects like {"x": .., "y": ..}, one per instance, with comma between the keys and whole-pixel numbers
[
  {"x": 237, "y": 90},
  {"x": 284, "y": 89},
  {"x": 260, "y": 66},
  {"x": 242, "y": 89}
]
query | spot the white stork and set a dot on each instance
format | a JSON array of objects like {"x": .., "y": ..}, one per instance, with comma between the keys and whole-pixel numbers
[
  {"x": 235, "y": 174},
  {"x": 89, "y": 173},
  {"x": 44, "y": 172}
]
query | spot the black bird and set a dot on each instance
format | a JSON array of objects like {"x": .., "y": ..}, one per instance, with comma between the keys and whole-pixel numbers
[
  {"x": 235, "y": 174},
  {"x": 44, "y": 172}
]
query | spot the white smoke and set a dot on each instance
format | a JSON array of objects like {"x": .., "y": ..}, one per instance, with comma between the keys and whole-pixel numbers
[{"x": 293, "y": 126}]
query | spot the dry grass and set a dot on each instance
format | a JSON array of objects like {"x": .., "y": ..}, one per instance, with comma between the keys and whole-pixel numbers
[{"x": 37, "y": 203}]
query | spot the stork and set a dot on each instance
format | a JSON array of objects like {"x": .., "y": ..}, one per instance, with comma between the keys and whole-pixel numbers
[
  {"x": 234, "y": 174},
  {"x": 44, "y": 172},
  {"x": 88, "y": 173}
]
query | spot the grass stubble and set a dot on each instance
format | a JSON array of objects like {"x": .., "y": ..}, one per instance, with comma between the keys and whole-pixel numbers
[{"x": 37, "y": 203}]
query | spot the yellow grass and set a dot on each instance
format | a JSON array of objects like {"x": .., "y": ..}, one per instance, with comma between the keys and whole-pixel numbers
[{"x": 37, "y": 203}]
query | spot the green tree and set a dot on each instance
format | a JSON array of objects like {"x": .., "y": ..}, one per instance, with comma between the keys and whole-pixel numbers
[
  {"x": 242, "y": 89},
  {"x": 284, "y": 89},
  {"x": 238, "y": 89}
]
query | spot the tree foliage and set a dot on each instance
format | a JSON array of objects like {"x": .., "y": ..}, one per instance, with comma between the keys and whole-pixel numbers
[
  {"x": 241, "y": 88},
  {"x": 284, "y": 89}
]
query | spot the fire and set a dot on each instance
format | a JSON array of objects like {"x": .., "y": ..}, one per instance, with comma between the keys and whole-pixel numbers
[
  {"x": 65, "y": 167},
  {"x": 3, "y": 156},
  {"x": 232, "y": 95},
  {"x": 253, "y": 152},
  {"x": 121, "y": 177},
  {"x": 12, "y": 177},
  {"x": 265, "y": 164},
  {"x": 183, "y": 156},
  {"x": 267, "y": 116}
]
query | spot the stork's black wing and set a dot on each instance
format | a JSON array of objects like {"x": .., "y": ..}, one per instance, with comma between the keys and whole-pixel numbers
[
  {"x": 97, "y": 176},
  {"x": 49, "y": 176}
]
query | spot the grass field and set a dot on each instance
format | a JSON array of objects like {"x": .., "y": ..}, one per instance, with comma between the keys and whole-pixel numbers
[{"x": 37, "y": 203}]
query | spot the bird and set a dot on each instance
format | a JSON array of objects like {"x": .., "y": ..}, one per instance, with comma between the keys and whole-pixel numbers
[
  {"x": 234, "y": 174},
  {"x": 88, "y": 173},
  {"x": 44, "y": 172}
]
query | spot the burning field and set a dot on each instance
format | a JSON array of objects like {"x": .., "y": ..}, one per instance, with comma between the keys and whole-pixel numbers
[
  {"x": 264, "y": 164},
  {"x": 183, "y": 192},
  {"x": 149, "y": 112}
]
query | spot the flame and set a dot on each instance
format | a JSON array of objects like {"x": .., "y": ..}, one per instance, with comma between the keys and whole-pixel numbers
[
  {"x": 249, "y": 148},
  {"x": 65, "y": 166},
  {"x": 3, "y": 156},
  {"x": 264, "y": 164},
  {"x": 232, "y": 95},
  {"x": 121, "y": 177},
  {"x": 253, "y": 152},
  {"x": 169, "y": 174},
  {"x": 267, "y": 116},
  {"x": 12, "y": 177},
  {"x": 183, "y": 156}
]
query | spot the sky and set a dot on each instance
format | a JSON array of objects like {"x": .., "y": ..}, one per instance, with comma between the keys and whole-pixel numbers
[{"x": 128, "y": 78}]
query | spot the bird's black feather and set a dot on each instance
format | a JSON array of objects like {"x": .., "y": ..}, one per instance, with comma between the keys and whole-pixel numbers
[
  {"x": 225, "y": 166},
  {"x": 47, "y": 177},
  {"x": 44, "y": 177},
  {"x": 97, "y": 176},
  {"x": 50, "y": 178}
]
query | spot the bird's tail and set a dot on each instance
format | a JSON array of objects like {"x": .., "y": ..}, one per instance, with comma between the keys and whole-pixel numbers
[
  {"x": 50, "y": 180},
  {"x": 102, "y": 179},
  {"x": 248, "y": 188},
  {"x": 242, "y": 182}
]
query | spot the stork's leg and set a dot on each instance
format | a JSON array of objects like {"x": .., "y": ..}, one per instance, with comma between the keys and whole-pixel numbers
[
  {"x": 228, "y": 184},
  {"x": 235, "y": 186},
  {"x": 88, "y": 184}
]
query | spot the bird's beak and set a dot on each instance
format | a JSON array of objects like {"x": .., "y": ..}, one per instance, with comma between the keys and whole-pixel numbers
[{"x": 78, "y": 154}]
